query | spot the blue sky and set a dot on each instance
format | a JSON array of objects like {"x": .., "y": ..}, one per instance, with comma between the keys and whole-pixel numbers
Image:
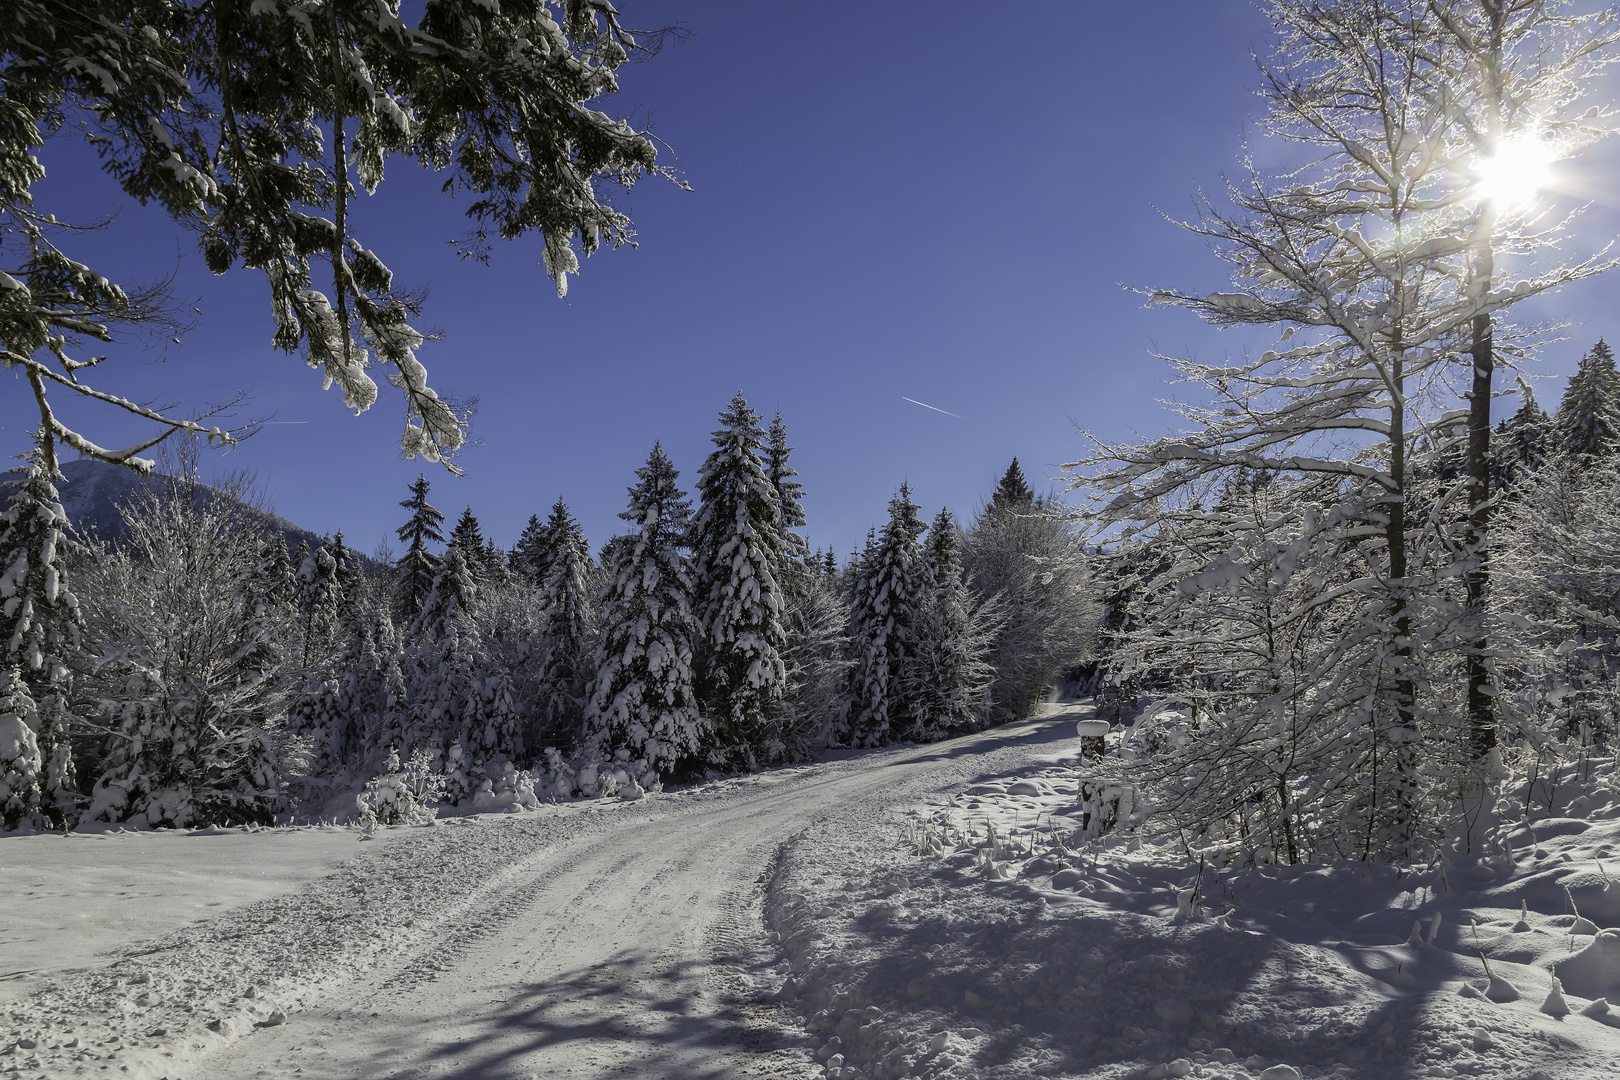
[{"x": 937, "y": 201}]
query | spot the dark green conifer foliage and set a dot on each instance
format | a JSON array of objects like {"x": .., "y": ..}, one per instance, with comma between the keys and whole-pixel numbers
[
  {"x": 418, "y": 566},
  {"x": 1521, "y": 444},
  {"x": 1588, "y": 422},
  {"x": 567, "y": 626},
  {"x": 1013, "y": 493},
  {"x": 530, "y": 558}
]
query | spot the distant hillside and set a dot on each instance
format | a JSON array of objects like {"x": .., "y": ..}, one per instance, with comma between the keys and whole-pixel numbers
[{"x": 94, "y": 491}]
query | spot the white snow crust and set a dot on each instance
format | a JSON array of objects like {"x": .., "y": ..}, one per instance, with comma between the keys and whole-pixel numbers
[{"x": 899, "y": 912}]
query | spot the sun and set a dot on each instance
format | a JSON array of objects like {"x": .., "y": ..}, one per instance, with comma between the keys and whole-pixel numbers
[{"x": 1516, "y": 173}]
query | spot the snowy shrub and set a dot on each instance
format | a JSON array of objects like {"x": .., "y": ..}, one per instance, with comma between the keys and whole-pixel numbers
[
  {"x": 504, "y": 788},
  {"x": 401, "y": 796}
]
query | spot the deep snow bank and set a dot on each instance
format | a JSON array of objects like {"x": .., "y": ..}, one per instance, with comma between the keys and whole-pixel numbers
[{"x": 968, "y": 941}]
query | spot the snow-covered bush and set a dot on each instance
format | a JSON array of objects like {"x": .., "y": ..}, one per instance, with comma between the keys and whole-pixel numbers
[{"x": 408, "y": 795}]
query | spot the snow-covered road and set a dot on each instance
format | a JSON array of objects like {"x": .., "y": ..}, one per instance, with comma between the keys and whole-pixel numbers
[{"x": 608, "y": 939}]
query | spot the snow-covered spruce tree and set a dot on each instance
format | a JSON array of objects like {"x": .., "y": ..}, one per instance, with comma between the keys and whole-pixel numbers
[
  {"x": 40, "y": 623},
  {"x": 23, "y": 802},
  {"x": 642, "y": 700},
  {"x": 737, "y": 551},
  {"x": 459, "y": 706},
  {"x": 1365, "y": 88},
  {"x": 250, "y": 125},
  {"x": 567, "y": 631},
  {"x": 416, "y": 569},
  {"x": 371, "y": 694},
  {"x": 892, "y": 586},
  {"x": 945, "y": 683},
  {"x": 1521, "y": 445},
  {"x": 790, "y": 496},
  {"x": 187, "y": 682},
  {"x": 1032, "y": 565},
  {"x": 316, "y": 598},
  {"x": 1588, "y": 422}
]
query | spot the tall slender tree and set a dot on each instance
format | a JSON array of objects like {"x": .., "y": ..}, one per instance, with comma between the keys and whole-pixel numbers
[
  {"x": 567, "y": 624},
  {"x": 642, "y": 700},
  {"x": 417, "y": 568},
  {"x": 1588, "y": 422},
  {"x": 40, "y": 622},
  {"x": 891, "y": 588},
  {"x": 738, "y": 551}
]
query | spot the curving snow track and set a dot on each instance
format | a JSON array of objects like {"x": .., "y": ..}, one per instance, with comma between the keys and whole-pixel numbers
[{"x": 620, "y": 940}]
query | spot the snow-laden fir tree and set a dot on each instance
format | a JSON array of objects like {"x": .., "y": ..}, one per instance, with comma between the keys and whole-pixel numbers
[
  {"x": 790, "y": 496},
  {"x": 23, "y": 802},
  {"x": 371, "y": 694},
  {"x": 946, "y": 681},
  {"x": 567, "y": 630},
  {"x": 1521, "y": 444},
  {"x": 642, "y": 700},
  {"x": 188, "y": 684},
  {"x": 40, "y": 623},
  {"x": 737, "y": 551},
  {"x": 316, "y": 599},
  {"x": 459, "y": 705},
  {"x": 1588, "y": 421},
  {"x": 417, "y": 567},
  {"x": 892, "y": 585}
]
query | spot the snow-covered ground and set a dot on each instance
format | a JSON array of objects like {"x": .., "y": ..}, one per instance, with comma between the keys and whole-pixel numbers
[
  {"x": 964, "y": 942},
  {"x": 897, "y": 912}
]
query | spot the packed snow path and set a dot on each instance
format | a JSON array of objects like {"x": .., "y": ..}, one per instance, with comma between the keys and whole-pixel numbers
[{"x": 604, "y": 939}]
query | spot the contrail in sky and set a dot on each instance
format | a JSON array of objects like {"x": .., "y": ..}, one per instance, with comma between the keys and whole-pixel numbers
[{"x": 925, "y": 405}]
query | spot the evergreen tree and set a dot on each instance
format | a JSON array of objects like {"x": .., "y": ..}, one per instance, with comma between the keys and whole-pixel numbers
[
  {"x": 22, "y": 765},
  {"x": 530, "y": 558},
  {"x": 459, "y": 705},
  {"x": 738, "y": 552},
  {"x": 346, "y": 582},
  {"x": 469, "y": 537},
  {"x": 316, "y": 599},
  {"x": 277, "y": 569},
  {"x": 642, "y": 700},
  {"x": 890, "y": 589},
  {"x": 1012, "y": 494},
  {"x": 40, "y": 624},
  {"x": 1588, "y": 422},
  {"x": 1521, "y": 445},
  {"x": 945, "y": 683},
  {"x": 789, "y": 492},
  {"x": 566, "y": 627},
  {"x": 417, "y": 567},
  {"x": 829, "y": 563}
]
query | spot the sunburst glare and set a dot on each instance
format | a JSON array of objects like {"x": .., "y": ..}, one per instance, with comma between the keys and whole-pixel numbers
[{"x": 1517, "y": 172}]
